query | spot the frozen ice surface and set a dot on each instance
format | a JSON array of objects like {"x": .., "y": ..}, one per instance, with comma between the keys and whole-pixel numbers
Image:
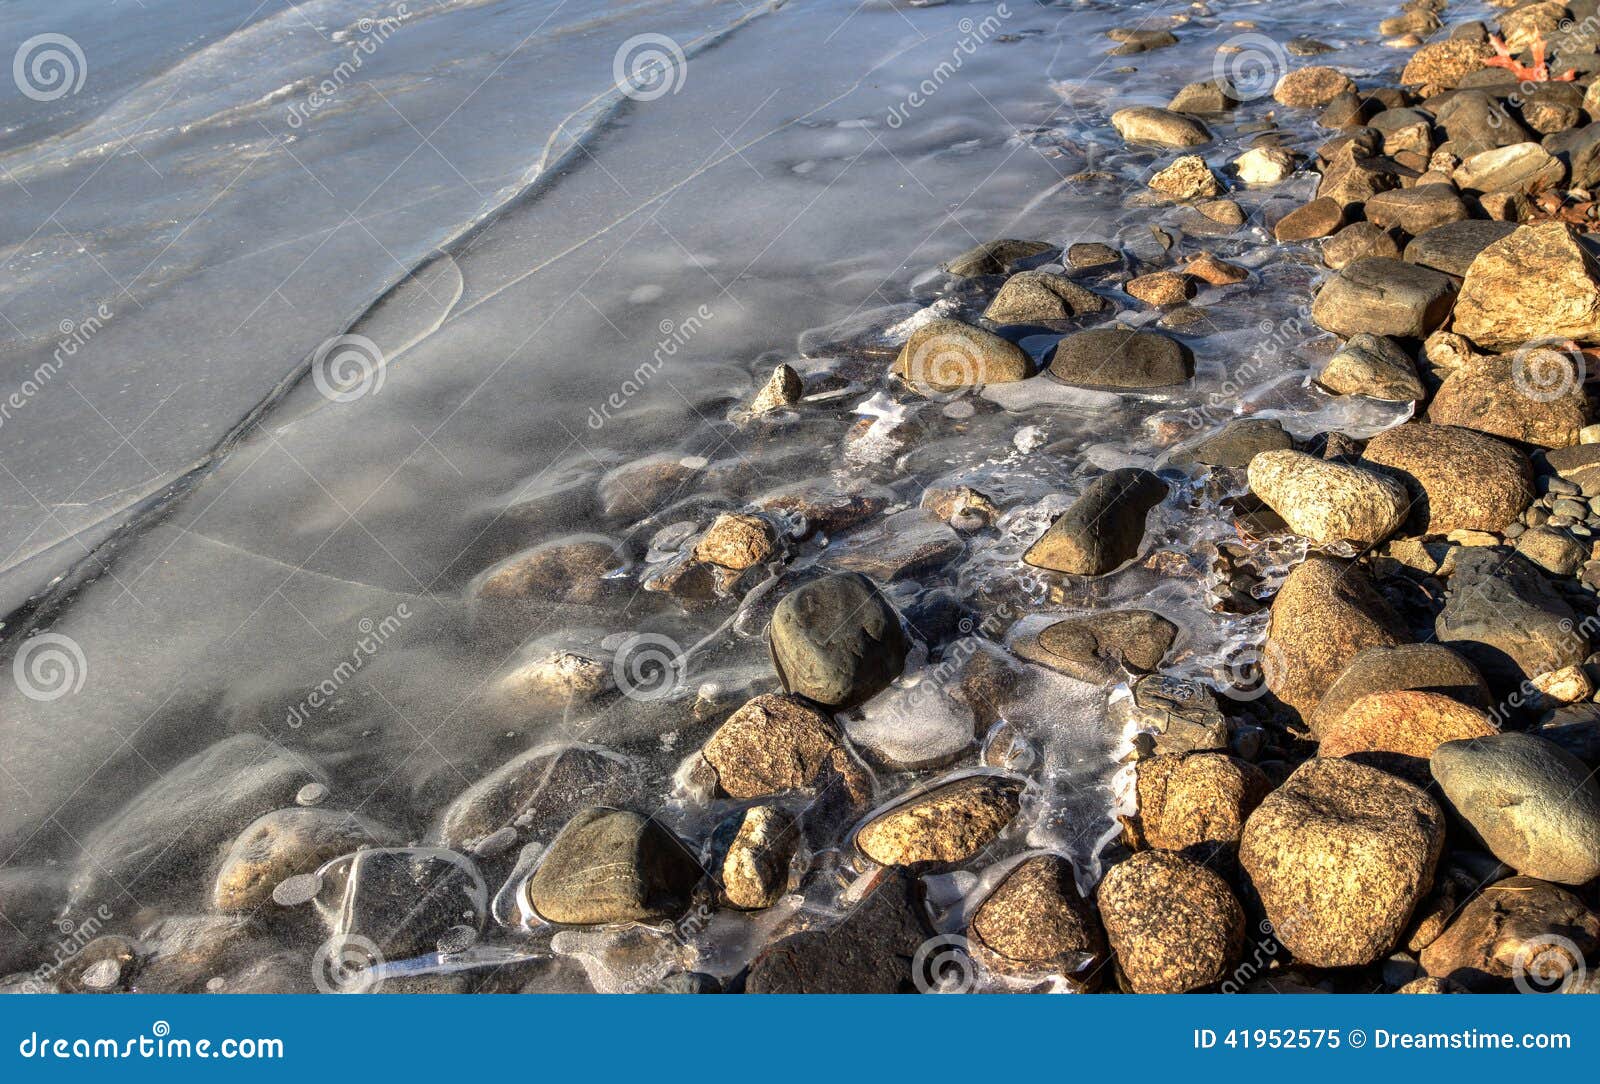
[{"x": 531, "y": 280}]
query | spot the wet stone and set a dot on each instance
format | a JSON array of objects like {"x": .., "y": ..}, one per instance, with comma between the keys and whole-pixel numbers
[
  {"x": 755, "y": 871},
  {"x": 1036, "y": 922},
  {"x": 947, "y": 355},
  {"x": 837, "y": 640},
  {"x": 1030, "y": 297},
  {"x": 1162, "y": 127},
  {"x": 1098, "y": 647},
  {"x": 533, "y": 793},
  {"x": 1119, "y": 358},
  {"x": 868, "y": 951},
  {"x": 1086, "y": 255},
  {"x": 996, "y": 257},
  {"x": 1237, "y": 444},
  {"x": 774, "y": 744},
  {"x": 401, "y": 899},
  {"x": 184, "y": 820},
  {"x": 285, "y": 843},
  {"x": 948, "y": 823},
  {"x": 613, "y": 865},
  {"x": 1104, "y": 527}
]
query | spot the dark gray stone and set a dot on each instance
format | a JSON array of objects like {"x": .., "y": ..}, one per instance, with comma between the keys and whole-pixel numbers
[
  {"x": 1103, "y": 528},
  {"x": 1120, "y": 358},
  {"x": 1506, "y": 619},
  {"x": 868, "y": 951},
  {"x": 837, "y": 640}
]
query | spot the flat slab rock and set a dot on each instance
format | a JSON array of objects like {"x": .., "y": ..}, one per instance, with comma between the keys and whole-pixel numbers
[
  {"x": 1384, "y": 297},
  {"x": 1098, "y": 647},
  {"x": 1503, "y": 615},
  {"x": 1452, "y": 247},
  {"x": 1120, "y": 358}
]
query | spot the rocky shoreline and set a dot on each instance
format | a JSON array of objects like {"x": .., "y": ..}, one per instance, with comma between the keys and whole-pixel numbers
[{"x": 1390, "y": 786}]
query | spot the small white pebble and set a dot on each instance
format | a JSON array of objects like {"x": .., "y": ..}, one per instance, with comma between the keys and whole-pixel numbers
[{"x": 311, "y": 794}]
